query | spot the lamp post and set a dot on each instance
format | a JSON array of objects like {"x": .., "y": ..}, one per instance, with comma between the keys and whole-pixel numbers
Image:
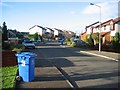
[{"x": 100, "y": 26}]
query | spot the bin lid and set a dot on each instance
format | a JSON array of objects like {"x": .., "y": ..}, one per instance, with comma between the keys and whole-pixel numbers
[{"x": 27, "y": 54}]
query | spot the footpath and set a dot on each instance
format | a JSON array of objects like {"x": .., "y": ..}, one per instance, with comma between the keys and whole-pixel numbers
[{"x": 104, "y": 54}]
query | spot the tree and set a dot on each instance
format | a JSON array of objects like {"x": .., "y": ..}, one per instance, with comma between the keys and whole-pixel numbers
[
  {"x": 19, "y": 35},
  {"x": 96, "y": 38},
  {"x": 90, "y": 40},
  {"x": 116, "y": 40},
  {"x": 36, "y": 36},
  {"x": 41, "y": 38},
  {"x": 4, "y": 32}
]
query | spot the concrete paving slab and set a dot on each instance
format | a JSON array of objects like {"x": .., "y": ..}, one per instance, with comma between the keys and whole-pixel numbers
[
  {"x": 46, "y": 76},
  {"x": 45, "y": 84}
]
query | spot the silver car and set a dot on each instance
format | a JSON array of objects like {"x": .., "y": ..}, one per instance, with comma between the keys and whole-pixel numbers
[{"x": 28, "y": 44}]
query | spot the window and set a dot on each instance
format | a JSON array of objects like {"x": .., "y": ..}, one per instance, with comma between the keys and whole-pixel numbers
[{"x": 105, "y": 27}]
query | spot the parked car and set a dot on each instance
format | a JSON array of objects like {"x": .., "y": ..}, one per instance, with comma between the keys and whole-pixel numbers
[
  {"x": 28, "y": 44},
  {"x": 80, "y": 42}
]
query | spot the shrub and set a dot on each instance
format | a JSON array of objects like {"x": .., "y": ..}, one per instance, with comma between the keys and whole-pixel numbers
[
  {"x": 5, "y": 45},
  {"x": 17, "y": 50},
  {"x": 73, "y": 44},
  {"x": 12, "y": 46},
  {"x": 69, "y": 43},
  {"x": 116, "y": 39},
  {"x": 90, "y": 40}
]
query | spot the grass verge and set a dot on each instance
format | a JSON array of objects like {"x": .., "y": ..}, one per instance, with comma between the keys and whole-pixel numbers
[{"x": 8, "y": 76}]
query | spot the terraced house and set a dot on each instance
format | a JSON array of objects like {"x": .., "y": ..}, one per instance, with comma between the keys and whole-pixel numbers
[
  {"x": 49, "y": 32},
  {"x": 58, "y": 33},
  {"x": 108, "y": 30}
]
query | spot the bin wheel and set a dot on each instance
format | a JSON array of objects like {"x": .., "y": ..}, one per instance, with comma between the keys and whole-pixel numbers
[{"x": 18, "y": 78}]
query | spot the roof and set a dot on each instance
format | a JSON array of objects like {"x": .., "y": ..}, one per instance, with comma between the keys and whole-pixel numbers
[
  {"x": 58, "y": 30},
  {"x": 12, "y": 33},
  {"x": 37, "y": 26},
  {"x": 92, "y": 24},
  {"x": 83, "y": 33},
  {"x": 116, "y": 20},
  {"x": 109, "y": 21},
  {"x": 103, "y": 33},
  {"x": 49, "y": 29},
  {"x": 71, "y": 32},
  {"x": 106, "y": 22}
]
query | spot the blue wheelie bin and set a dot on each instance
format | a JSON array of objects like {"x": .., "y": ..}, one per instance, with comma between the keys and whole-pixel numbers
[{"x": 26, "y": 64}]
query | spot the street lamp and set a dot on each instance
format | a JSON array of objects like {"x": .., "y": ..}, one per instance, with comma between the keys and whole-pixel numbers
[{"x": 100, "y": 26}]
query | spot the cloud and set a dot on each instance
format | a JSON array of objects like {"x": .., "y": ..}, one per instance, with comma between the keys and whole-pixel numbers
[
  {"x": 108, "y": 9},
  {"x": 90, "y": 10}
]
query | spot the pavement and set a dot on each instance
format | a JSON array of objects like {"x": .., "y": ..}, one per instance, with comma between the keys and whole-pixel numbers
[
  {"x": 49, "y": 76},
  {"x": 104, "y": 54}
]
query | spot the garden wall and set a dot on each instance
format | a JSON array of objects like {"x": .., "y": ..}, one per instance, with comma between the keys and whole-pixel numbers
[{"x": 9, "y": 58}]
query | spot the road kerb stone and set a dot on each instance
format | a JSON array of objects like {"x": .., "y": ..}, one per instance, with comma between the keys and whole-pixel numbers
[{"x": 99, "y": 55}]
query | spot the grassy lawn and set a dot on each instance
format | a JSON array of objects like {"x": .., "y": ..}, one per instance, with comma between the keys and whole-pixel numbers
[{"x": 8, "y": 76}]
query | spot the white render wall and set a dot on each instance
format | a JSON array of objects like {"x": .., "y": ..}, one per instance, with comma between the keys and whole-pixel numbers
[
  {"x": 105, "y": 30},
  {"x": 52, "y": 32},
  {"x": 95, "y": 30},
  {"x": 35, "y": 29},
  {"x": 43, "y": 31},
  {"x": 89, "y": 30},
  {"x": 55, "y": 32},
  {"x": 117, "y": 29},
  {"x": 48, "y": 30}
]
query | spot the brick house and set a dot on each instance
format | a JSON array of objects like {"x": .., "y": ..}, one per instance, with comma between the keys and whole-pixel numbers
[
  {"x": 88, "y": 30},
  {"x": 83, "y": 36}
]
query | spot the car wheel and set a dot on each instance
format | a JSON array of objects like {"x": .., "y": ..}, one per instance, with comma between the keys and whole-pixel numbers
[{"x": 33, "y": 47}]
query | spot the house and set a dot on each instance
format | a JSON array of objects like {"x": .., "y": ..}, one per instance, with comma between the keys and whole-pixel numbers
[
  {"x": 12, "y": 33},
  {"x": 49, "y": 32},
  {"x": 58, "y": 33},
  {"x": 83, "y": 36},
  {"x": 108, "y": 30},
  {"x": 37, "y": 29},
  {"x": 88, "y": 31},
  {"x": 68, "y": 34},
  {"x": 25, "y": 33}
]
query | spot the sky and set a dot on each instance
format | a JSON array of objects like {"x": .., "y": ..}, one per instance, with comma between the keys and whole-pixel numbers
[{"x": 66, "y": 15}]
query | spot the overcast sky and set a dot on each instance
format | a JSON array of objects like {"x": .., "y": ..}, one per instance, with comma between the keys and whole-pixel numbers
[{"x": 67, "y": 15}]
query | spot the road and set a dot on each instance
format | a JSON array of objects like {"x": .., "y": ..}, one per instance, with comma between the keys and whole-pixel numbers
[{"x": 82, "y": 70}]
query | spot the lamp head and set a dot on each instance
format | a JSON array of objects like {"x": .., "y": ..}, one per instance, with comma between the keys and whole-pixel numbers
[{"x": 91, "y": 4}]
